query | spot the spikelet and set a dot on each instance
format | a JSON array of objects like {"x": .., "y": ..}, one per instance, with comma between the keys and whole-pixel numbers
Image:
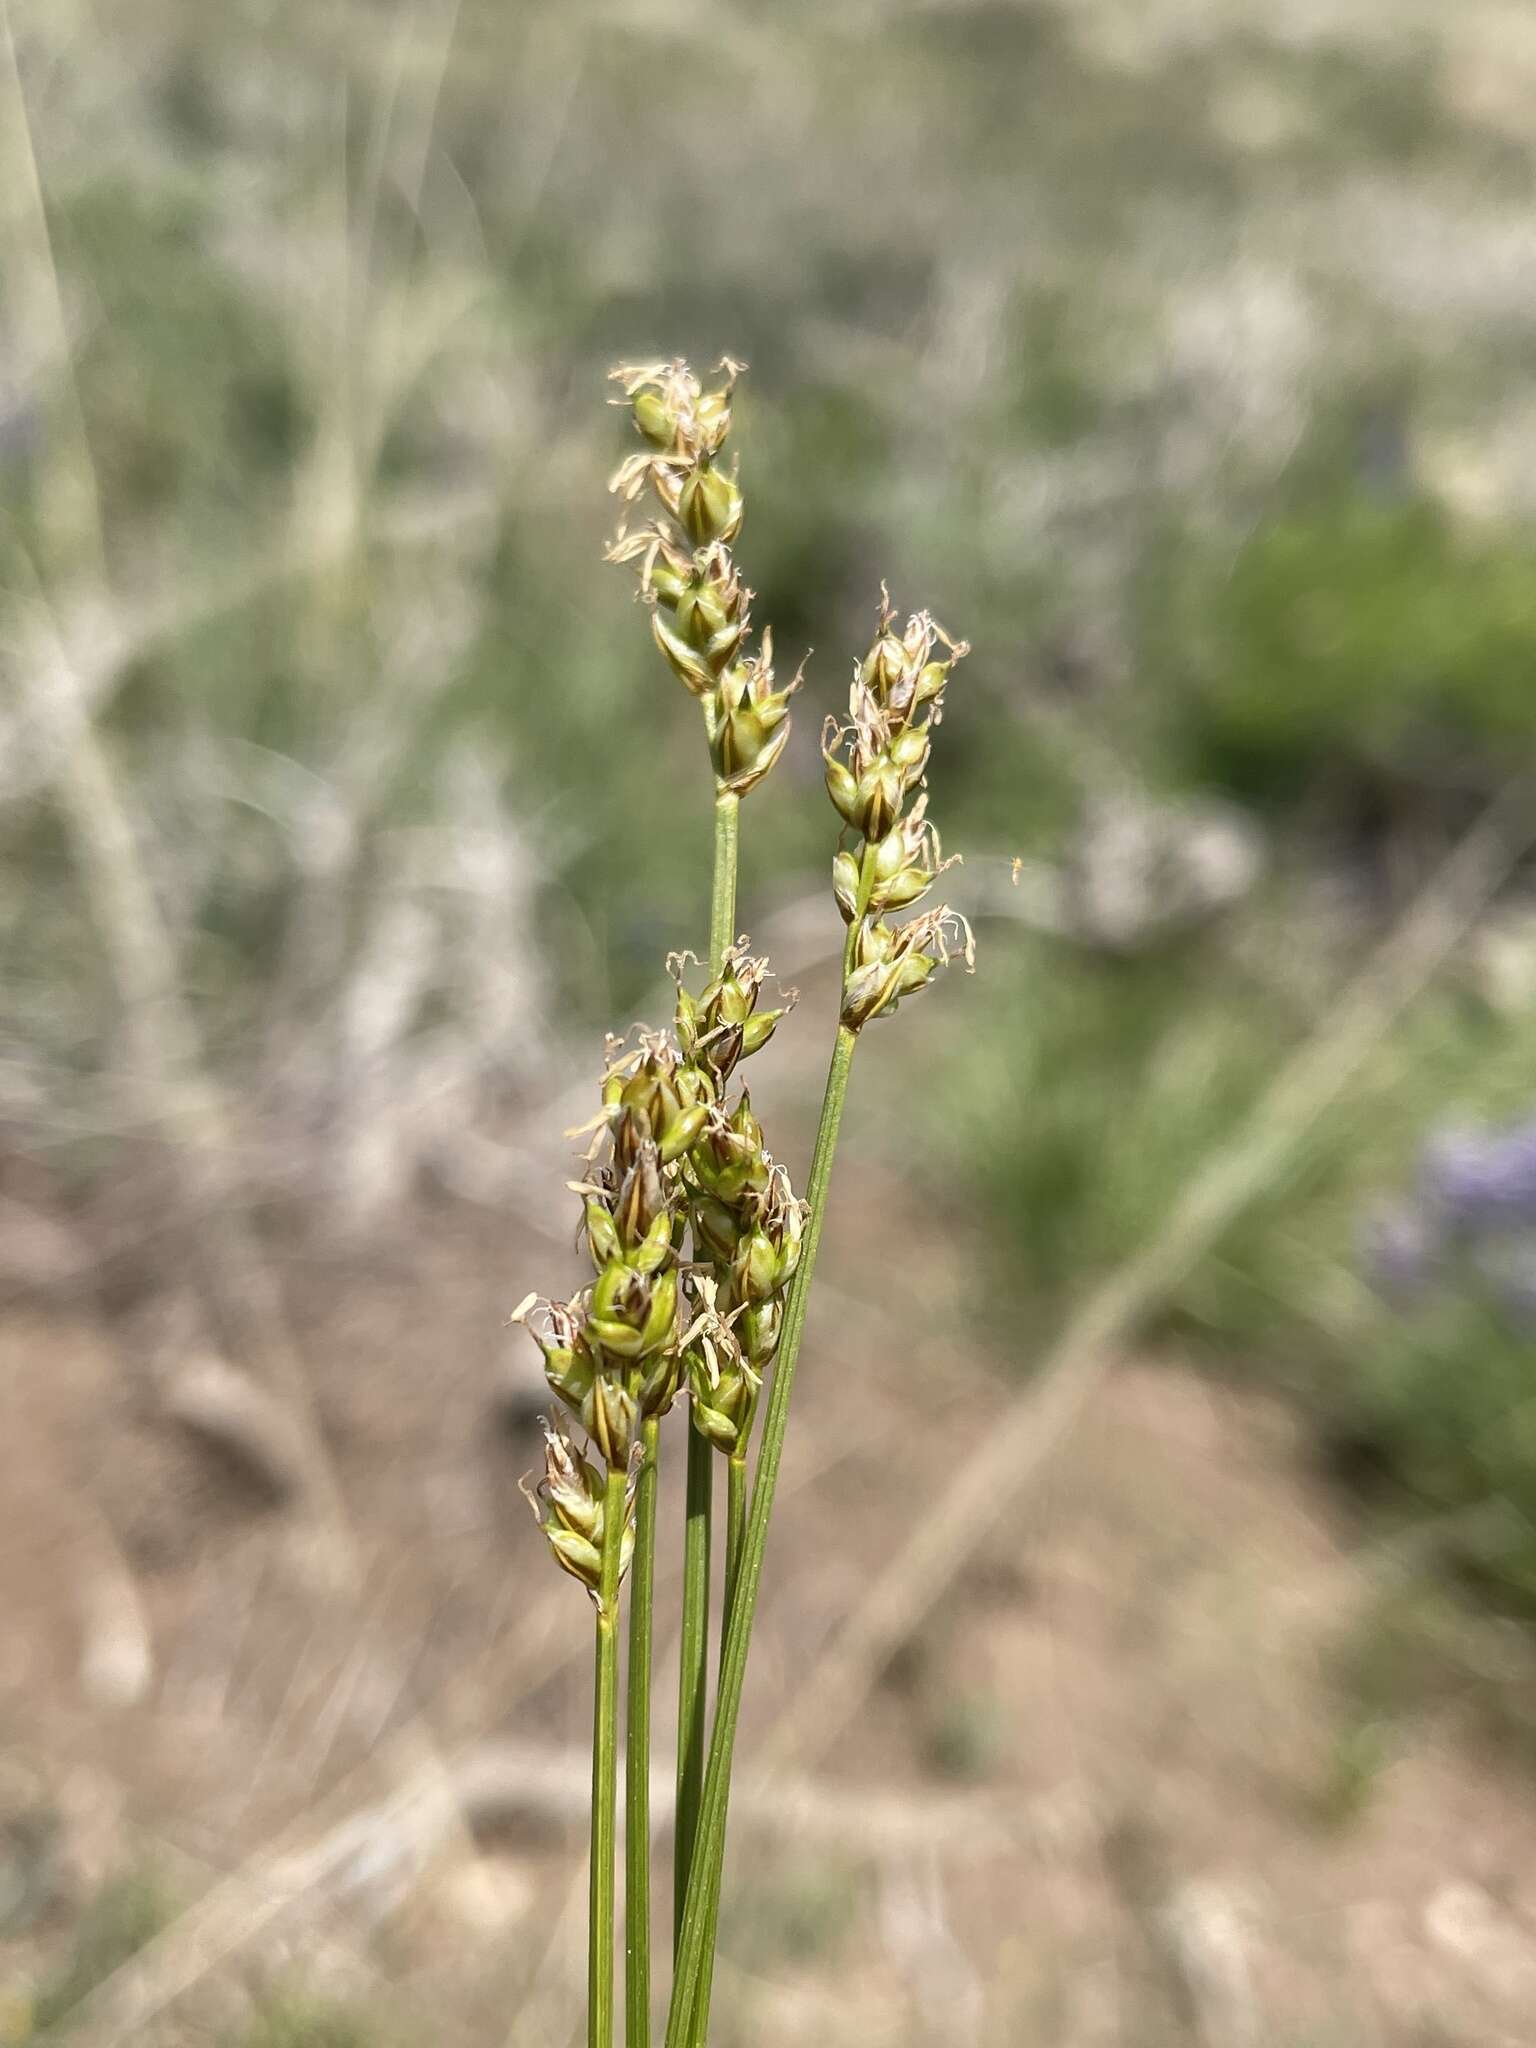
[
  {"x": 700, "y": 609},
  {"x": 568, "y": 1506},
  {"x": 875, "y": 762}
]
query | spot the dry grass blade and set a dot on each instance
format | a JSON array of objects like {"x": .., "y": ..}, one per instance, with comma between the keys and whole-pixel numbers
[
  {"x": 215, "y": 1401},
  {"x": 185, "y": 1102},
  {"x": 70, "y": 498},
  {"x": 163, "y": 1048},
  {"x": 252, "y": 1901},
  {"x": 927, "y": 1563}
]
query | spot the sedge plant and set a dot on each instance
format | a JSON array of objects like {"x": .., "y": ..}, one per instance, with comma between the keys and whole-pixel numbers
[{"x": 702, "y": 1251}]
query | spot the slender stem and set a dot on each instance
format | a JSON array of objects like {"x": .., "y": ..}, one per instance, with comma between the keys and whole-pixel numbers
[
  {"x": 605, "y": 1763},
  {"x": 722, "y": 899},
  {"x": 735, "y": 1530},
  {"x": 693, "y": 1655},
  {"x": 637, "y": 1768},
  {"x": 688, "y": 2017},
  {"x": 693, "y": 1666}
]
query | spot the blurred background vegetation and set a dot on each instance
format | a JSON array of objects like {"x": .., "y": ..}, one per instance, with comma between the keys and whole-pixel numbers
[{"x": 1178, "y": 353}]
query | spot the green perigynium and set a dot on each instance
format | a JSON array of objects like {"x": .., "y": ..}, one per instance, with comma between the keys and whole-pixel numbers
[{"x": 702, "y": 1253}]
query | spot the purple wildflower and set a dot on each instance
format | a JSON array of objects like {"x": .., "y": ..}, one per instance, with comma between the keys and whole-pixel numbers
[{"x": 1478, "y": 1181}]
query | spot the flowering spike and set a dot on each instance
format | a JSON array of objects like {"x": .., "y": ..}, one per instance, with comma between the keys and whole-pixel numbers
[
  {"x": 700, "y": 608},
  {"x": 875, "y": 765}
]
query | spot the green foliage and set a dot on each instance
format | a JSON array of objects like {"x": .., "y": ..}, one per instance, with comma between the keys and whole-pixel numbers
[
  {"x": 1351, "y": 637},
  {"x": 123, "y": 1917},
  {"x": 1049, "y": 392},
  {"x": 797, "y": 1914},
  {"x": 1360, "y": 1752},
  {"x": 1446, "y": 1396},
  {"x": 1097, "y": 1090},
  {"x": 298, "y": 2021},
  {"x": 964, "y": 352},
  {"x": 191, "y": 401},
  {"x": 1419, "y": 1651},
  {"x": 1100, "y": 1088},
  {"x": 965, "y": 1737}
]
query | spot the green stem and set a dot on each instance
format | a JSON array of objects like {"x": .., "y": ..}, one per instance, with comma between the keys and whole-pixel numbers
[
  {"x": 735, "y": 1530},
  {"x": 693, "y": 1655},
  {"x": 605, "y": 1763},
  {"x": 637, "y": 1769},
  {"x": 688, "y": 2017},
  {"x": 693, "y": 1666},
  {"x": 722, "y": 899}
]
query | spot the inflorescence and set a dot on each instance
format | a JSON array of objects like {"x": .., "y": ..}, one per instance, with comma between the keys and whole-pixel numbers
[
  {"x": 674, "y": 1161},
  {"x": 700, "y": 609},
  {"x": 891, "y": 855},
  {"x": 702, "y": 1253}
]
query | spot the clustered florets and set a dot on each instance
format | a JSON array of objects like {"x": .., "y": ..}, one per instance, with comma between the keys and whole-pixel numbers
[
  {"x": 702, "y": 1254},
  {"x": 569, "y": 1504},
  {"x": 694, "y": 1232},
  {"x": 875, "y": 763},
  {"x": 671, "y": 1162},
  {"x": 700, "y": 609}
]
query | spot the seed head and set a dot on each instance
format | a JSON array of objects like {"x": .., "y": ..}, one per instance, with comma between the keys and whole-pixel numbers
[
  {"x": 632, "y": 1315},
  {"x": 700, "y": 614}
]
